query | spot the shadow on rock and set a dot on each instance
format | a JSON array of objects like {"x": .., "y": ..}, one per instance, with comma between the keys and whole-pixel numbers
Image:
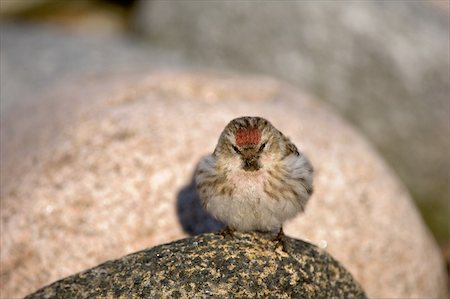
[{"x": 193, "y": 218}]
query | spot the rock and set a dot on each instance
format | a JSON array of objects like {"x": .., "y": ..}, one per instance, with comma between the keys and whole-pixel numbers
[
  {"x": 248, "y": 265},
  {"x": 115, "y": 177},
  {"x": 382, "y": 64},
  {"x": 36, "y": 58}
]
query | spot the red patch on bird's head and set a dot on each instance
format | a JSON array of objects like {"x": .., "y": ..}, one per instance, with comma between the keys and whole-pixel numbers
[{"x": 248, "y": 136}]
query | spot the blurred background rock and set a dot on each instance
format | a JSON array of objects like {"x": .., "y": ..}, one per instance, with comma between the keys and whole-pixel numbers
[{"x": 383, "y": 65}]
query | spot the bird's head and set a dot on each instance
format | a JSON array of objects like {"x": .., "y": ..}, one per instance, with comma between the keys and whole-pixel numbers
[{"x": 249, "y": 143}]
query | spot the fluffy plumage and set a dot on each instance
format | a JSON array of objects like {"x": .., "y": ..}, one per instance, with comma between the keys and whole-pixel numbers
[{"x": 255, "y": 179}]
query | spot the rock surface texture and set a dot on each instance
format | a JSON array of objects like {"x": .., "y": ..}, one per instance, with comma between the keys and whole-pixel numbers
[
  {"x": 114, "y": 175},
  {"x": 382, "y": 64},
  {"x": 247, "y": 265}
]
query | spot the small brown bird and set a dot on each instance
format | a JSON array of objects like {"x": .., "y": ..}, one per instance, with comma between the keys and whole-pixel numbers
[{"x": 255, "y": 179}]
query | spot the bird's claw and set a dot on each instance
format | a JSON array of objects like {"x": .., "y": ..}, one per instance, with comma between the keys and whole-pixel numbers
[
  {"x": 227, "y": 232},
  {"x": 279, "y": 240}
]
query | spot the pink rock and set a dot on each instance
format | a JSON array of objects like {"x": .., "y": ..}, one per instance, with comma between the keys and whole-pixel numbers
[{"x": 113, "y": 175}]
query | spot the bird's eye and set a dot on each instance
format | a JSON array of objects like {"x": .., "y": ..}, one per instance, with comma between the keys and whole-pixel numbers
[
  {"x": 261, "y": 148},
  {"x": 235, "y": 148}
]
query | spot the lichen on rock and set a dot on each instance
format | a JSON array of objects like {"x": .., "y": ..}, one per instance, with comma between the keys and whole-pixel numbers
[{"x": 210, "y": 265}]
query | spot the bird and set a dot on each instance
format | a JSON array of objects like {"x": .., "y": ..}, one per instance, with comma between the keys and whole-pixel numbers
[{"x": 255, "y": 179}]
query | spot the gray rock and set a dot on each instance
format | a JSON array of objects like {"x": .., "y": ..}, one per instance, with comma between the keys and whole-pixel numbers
[
  {"x": 247, "y": 265},
  {"x": 382, "y": 64},
  {"x": 37, "y": 58}
]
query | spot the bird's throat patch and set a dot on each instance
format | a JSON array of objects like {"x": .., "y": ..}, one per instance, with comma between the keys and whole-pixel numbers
[{"x": 248, "y": 136}]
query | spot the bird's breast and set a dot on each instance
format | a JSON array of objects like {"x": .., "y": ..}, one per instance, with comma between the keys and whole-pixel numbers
[{"x": 248, "y": 185}]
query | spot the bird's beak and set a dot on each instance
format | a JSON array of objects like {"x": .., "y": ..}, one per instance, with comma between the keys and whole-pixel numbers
[{"x": 250, "y": 160}]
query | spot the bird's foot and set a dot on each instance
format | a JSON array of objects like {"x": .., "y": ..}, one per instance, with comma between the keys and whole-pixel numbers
[
  {"x": 279, "y": 240},
  {"x": 227, "y": 232}
]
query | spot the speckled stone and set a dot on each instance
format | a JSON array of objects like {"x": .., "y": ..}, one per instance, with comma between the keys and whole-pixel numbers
[{"x": 247, "y": 265}]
